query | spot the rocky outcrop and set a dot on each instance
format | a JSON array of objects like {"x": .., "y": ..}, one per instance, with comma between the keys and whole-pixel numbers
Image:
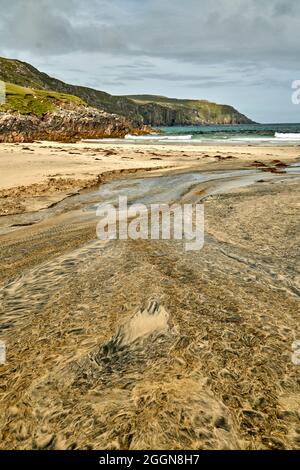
[{"x": 64, "y": 124}]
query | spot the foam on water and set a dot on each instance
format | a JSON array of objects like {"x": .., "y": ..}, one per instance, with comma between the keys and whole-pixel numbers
[
  {"x": 159, "y": 137},
  {"x": 242, "y": 134},
  {"x": 287, "y": 136}
]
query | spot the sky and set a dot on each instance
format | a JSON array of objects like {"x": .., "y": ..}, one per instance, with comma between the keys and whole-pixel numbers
[{"x": 239, "y": 52}]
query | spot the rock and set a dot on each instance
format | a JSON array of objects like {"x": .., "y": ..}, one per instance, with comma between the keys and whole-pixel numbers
[{"x": 66, "y": 124}]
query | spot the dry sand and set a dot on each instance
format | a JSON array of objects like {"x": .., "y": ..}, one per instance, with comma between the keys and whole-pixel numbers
[
  {"x": 34, "y": 176},
  {"x": 140, "y": 344}
]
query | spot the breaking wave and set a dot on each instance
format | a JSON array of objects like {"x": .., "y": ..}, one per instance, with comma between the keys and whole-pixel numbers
[
  {"x": 287, "y": 136},
  {"x": 159, "y": 137}
]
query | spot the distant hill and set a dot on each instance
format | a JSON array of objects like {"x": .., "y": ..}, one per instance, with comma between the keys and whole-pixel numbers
[
  {"x": 139, "y": 109},
  {"x": 161, "y": 110}
]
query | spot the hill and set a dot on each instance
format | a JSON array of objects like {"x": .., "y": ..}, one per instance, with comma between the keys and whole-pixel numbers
[
  {"x": 161, "y": 110},
  {"x": 36, "y": 102},
  {"x": 139, "y": 109},
  {"x": 29, "y": 114}
]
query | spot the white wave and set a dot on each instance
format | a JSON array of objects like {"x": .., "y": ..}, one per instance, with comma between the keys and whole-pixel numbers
[
  {"x": 158, "y": 137},
  {"x": 96, "y": 141},
  {"x": 287, "y": 136},
  {"x": 252, "y": 139},
  {"x": 178, "y": 137},
  {"x": 142, "y": 137}
]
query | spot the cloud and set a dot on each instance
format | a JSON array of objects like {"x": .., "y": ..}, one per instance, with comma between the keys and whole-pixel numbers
[
  {"x": 194, "y": 30},
  {"x": 138, "y": 45}
]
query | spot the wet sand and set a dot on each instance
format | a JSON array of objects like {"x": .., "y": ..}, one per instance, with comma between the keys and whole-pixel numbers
[
  {"x": 141, "y": 344},
  {"x": 34, "y": 176}
]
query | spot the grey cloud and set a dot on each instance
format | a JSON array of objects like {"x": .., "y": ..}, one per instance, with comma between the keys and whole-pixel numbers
[
  {"x": 113, "y": 83},
  {"x": 173, "y": 77},
  {"x": 219, "y": 31},
  {"x": 57, "y": 27},
  {"x": 133, "y": 45}
]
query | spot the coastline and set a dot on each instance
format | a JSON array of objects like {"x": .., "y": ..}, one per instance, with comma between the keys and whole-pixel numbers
[
  {"x": 36, "y": 176},
  {"x": 216, "y": 350}
]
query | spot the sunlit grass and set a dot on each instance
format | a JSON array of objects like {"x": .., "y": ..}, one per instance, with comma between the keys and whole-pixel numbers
[{"x": 35, "y": 102}]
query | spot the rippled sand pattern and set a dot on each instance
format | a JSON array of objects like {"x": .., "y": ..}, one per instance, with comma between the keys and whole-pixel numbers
[{"x": 140, "y": 345}]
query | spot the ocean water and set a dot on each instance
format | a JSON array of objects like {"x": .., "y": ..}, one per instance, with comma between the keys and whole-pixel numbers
[{"x": 258, "y": 134}]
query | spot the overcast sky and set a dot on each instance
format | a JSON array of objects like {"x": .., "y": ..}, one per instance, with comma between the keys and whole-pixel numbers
[{"x": 239, "y": 52}]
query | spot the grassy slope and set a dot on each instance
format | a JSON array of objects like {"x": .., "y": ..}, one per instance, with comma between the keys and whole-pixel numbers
[
  {"x": 24, "y": 74},
  {"x": 73, "y": 120},
  {"x": 133, "y": 107},
  {"x": 174, "y": 102},
  {"x": 36, "y": 102}
]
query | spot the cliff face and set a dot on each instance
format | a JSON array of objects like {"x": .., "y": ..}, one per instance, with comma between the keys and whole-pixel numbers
[
  {"x": 163, "y": 111},
  {"x": 30, "y": 114},
  {"x": 156, "y": 115},
  {"x": 147, "y": 109}
]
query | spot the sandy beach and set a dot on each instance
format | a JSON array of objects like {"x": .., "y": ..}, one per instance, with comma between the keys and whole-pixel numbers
[
  {"x": 141, "y": 344},
  {"x": 149, "y": 232},
  {"x": 33, "y": 176}
]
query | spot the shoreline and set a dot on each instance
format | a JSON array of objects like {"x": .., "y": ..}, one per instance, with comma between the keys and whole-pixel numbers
[
  {"x": 39, "y": 175},
  {"x": 225, "y": 317}
]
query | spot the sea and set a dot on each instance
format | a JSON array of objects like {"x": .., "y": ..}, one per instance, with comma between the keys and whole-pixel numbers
[{"x": 247, "y": 134}]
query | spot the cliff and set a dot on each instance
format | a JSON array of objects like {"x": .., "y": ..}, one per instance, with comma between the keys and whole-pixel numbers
[
  {"x": 23, "y": 74},
  {"x": 139, "y": 110},
  {"x": 163, "y": 111},
  {"x": 30, "y": 114}
]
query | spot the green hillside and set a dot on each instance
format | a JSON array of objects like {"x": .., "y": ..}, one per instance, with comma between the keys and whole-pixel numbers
[
  {"x": 139, "y": 109},
  {"x": 23, "y": 74},
  {"x": 36, "y": 102}
]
